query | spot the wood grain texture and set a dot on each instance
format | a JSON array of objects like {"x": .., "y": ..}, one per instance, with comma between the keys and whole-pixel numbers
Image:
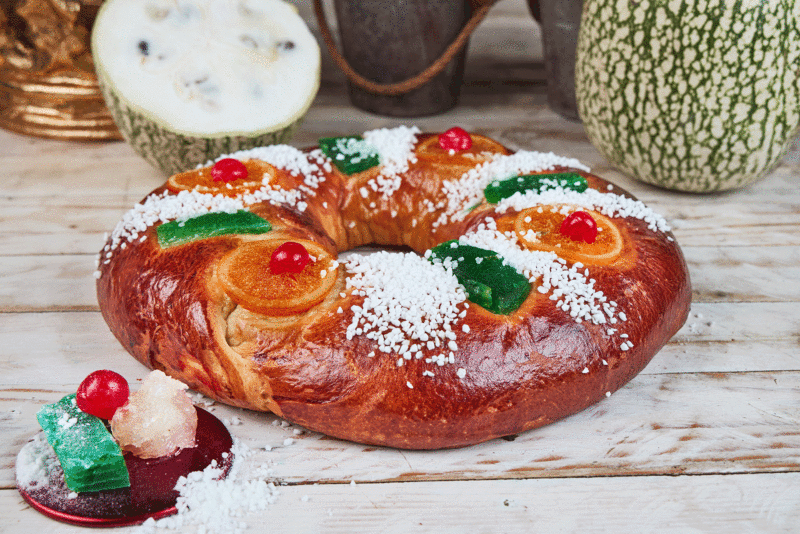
[
  {"x": 738, "y": 274},
  {"x": 673, "y": 424},
  {"x": 732, "y": 504},
  {"x": 706, "y": 439},
  {"x": 72, "y": 342}
]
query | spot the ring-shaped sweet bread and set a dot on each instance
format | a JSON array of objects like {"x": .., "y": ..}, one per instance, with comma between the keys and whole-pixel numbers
[{"x": 468, "y": 332}]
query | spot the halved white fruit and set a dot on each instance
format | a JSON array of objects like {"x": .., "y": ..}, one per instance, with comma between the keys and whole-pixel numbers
[{"x": 189, "y": 80}]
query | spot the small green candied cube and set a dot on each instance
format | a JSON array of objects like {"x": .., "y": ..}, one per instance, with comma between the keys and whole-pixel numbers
[{"x": 89, "y": 456}]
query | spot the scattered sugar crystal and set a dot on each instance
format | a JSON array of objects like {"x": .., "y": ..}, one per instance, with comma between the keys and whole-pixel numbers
[
  {"x": 395, "y": 148},
  {"x": 210, "y": 503},
  {"x": 568, "y": 285},
  {"x": 35, "y": 461},
  {"x": 468, "y": 190},
  {"x": 286, "y": 157},
  {"x": 609, "y": 204},
  {"x": 407, "y": 300},
  {"x": 157, "y": 420},
  {"x": 164, "y": 207}
]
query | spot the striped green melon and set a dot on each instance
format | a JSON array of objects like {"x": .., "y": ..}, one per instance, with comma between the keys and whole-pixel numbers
[
  {"x": 693, "y": 95},
  {"x": 189, "y": 80}
]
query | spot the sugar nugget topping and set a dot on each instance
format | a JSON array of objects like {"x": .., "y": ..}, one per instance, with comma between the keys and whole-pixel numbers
[{"x": 409, "y": 303}]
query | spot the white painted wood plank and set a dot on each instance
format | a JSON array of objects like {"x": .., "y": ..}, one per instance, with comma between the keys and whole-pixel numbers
[
  {"x": 735, "y": 504},
  {"x": 744, "y": 274},
  {"x": 87, "y": 187},
  {"x": 51, "y": 168},
  {"x": 701, "y": 355},
  {"x": 71, "y": 242},
  {"x": 48, "y": 283},
  {"x": 61, "y": 169},
  {"x": 48, "y": 224},
  {"x": 711, "y": 423},
  {"x": 717, "y": 338},
  {"x": 767, "y": 221},
  {"x": 521, "y": 121},
  {"x": 54, "y": 218},
  {"x": 68, "y": 345},
  {"x": 720, "y": 322},
  {"x": 672, "y": 424},
  {"x": 65, "y": 281}
]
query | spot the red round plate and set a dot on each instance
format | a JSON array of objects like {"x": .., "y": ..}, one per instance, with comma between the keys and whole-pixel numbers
[{"x": 151, "y": 493}]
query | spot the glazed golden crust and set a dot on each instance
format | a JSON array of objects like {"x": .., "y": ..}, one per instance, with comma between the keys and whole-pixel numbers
[{"x": 520, "y": 371}]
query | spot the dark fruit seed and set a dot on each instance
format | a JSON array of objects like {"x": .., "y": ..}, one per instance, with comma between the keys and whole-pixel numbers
[
  {"x": 144, "y": 48},
  {"x": 286, "y": 45}
]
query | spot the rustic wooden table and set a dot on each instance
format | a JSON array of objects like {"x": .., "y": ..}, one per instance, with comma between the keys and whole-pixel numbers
[{"x": 706, "y": 439}]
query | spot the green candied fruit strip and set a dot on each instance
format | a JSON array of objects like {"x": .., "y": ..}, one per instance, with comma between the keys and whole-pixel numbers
[
  {"x": 211, "y": 225},
  {"x": 350, "y": 154},
  {"x": 89, "y": 456},
  {"x": 487, "y": 279},
  {"x": 500, "y": 189}
]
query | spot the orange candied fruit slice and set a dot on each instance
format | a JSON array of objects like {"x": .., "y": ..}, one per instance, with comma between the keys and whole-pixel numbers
[
  {"x": 538, "y": 228},
  {"x": 482, "y": 149},
  {"x": 246, "y": 277},
  {"x": 202, "y": 180}
]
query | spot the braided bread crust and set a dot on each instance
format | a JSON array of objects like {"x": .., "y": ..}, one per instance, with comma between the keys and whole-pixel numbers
[{"x": 511, "y": 373}]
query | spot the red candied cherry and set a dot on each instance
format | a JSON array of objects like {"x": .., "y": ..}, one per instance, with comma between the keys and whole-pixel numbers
[
  {"x": 228, "y": 169},
  {"x": 455, "y": 139},
  {"x": 579, "y": 226},
  {"x": 101, "y": 393},
  {"x": 290, "y": 257}
]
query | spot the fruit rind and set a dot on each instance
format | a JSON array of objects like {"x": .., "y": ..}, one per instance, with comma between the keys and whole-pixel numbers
[
  {"x": 690, "y": 98},
  {"x": 173, "y": 148}
]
